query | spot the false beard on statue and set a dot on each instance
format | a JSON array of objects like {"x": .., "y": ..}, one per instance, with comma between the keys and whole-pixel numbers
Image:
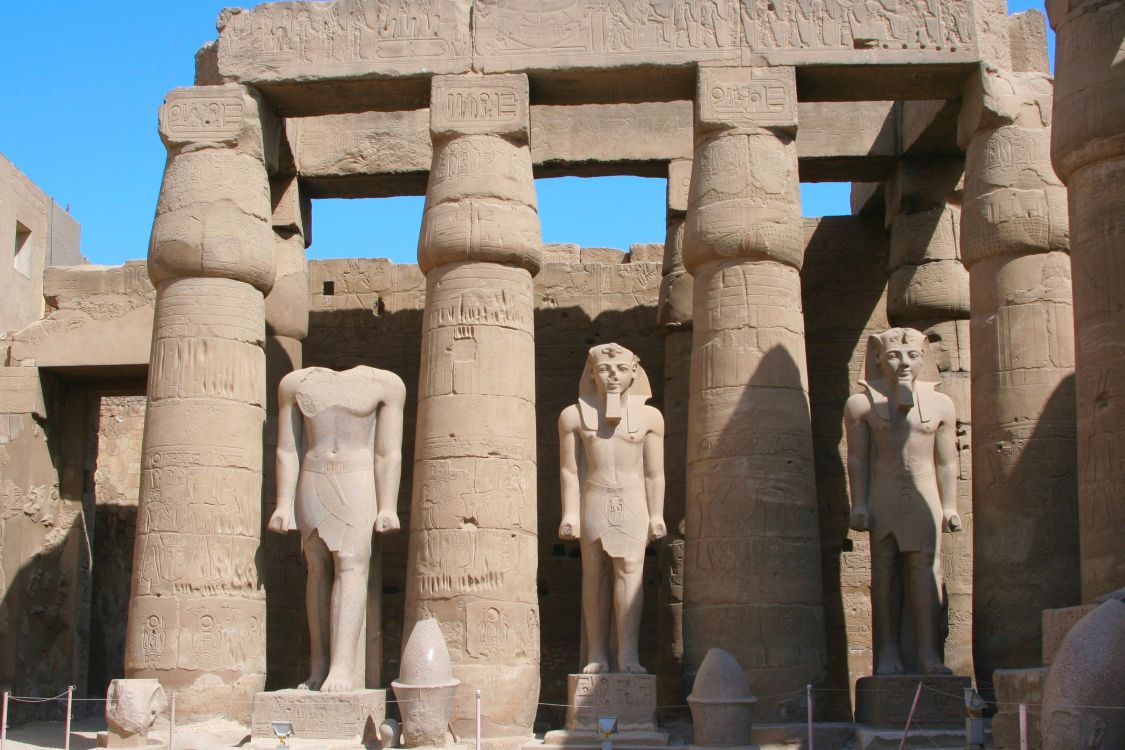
[{"x": 613, "y": 407}]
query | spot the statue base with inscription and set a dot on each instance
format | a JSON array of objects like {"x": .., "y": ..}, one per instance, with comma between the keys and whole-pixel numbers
[
  {"x": 885, "y": 700},
  {"x": 354, "y": 715},
  {"x": 630, "y": 698}
]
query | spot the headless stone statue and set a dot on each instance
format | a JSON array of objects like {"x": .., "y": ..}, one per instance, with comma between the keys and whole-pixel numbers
[
  {"x": 335, "y": 489},
  {"x": 612, "y": 465},
  {"x": 902, "y": 469}
]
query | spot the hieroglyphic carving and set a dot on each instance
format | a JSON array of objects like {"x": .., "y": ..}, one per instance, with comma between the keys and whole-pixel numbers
[
  {"x": 630, "y": 698},
  {"x": 755, "y": 96},
  {"x": 849, "y": 25},
  {"x": 196, "y": 114},
  {"x": 512, "y": 35},
  {"x": 493, "y": 105},
  {"x": 348, "y": 37}
]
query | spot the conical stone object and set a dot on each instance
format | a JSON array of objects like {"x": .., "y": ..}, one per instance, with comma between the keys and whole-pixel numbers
[
  {"x": 721, "y": 702},
  {"x": 426, "y": 687}
]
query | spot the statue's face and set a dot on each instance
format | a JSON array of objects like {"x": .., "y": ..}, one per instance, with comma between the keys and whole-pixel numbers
[
  {"x": 614, "y": 374},
  {"x": 902, "y": 360}
]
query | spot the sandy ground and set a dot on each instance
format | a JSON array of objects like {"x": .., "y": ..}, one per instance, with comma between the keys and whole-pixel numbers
[{"x": 209, "y": 735}]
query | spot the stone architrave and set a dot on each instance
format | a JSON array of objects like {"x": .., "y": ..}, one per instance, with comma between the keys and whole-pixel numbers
[
  {"x": 752, "y": 580},
  {"x": 1014, "y": 240},
  {"x": 196, "y": 610},
  {"x": 611, "y": 458},
  {"x": 673, "y": 313},
  {"x": 928, "y": 290},
  {"x": 339, "y": 461},
  {"x": 902, "y": 472},
  {"x": 473, "y": 536},
  {"x": 1088, "y": 153}
]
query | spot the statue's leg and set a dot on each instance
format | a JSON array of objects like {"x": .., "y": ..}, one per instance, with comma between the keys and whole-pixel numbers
[
  {"x": 349, "y": 603},
  {"x": 595, "y": 606},
  {"x": 318, "y": 601},
  {"x": 925, "y": 600},
  {"x": 628, "y": 577},
  {"x": 886, "y": 605}
]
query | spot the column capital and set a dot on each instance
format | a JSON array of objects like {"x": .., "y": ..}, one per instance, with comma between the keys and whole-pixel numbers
[
  {"x": 994, "y": 98},
  {"x": 746, "y": 99},
  {"x": 230, "y": 116},
  {"x": 472, "y": 104}
]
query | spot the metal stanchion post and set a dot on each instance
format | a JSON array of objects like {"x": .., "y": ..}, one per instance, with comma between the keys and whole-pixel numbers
[
  {"x": 69, "y": 712},
  {"x": 4, "y": 722},
  {"x": 1023, "y": 726},
  {"x": 910, "y": 717},
  {"x": 808, "y": 700},
  {"x": 478, "y": 719},
  {"x": 171, "y": 721}
]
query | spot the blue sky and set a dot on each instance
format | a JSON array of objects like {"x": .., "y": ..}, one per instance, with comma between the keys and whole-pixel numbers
[{"x": 82, "y": 83}]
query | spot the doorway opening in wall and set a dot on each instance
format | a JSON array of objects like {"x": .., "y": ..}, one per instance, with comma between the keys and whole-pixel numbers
[
  {"x": 614, "y": 212},
  {"x": 22, "y": 260},
  {"x": 826, "y": 199}
]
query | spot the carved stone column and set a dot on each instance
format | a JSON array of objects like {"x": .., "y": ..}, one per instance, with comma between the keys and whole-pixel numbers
[
  {"x": 752, "y": 582},
  {"x": 1088, "y": 151},
  {"x": 929, "y": 290},
  {"x": 287, "y": 323},
  {"x": 473, "y": 554},
  {"x": 1014, "y": 241},
  {"x": 674, "y": 316},
  {"x": 197, "y": 611}
]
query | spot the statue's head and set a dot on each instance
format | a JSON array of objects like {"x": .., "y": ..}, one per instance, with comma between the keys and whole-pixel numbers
[
  {"x": 902, "y": 354},
  {"x": 612, "y": 383},
  {"x": 612, "y": 368}
]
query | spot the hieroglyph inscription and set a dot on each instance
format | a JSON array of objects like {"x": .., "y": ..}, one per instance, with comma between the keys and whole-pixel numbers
[
  {"x": 192, "y": 115},
  {"x": 857, "y": 24},
  {"x": 747, "y": 96},
  {"x": 344, "y": 36},
  {"x": 479, "y": 105},
  {"x": 607, "y": 31}
]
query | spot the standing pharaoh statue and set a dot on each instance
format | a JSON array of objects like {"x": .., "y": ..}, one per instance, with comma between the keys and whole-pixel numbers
[
  {"x": 902, "y": 470},
  {"x": 339, "y": 462},
  {"x": 611, "y": 455}
]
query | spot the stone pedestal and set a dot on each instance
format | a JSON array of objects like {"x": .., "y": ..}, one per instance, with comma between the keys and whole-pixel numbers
[
  {"x": 351, "y": 716},
  {"x": 631, "y": 698},
  {"x": 885, "y": 700},
  {"x": 752, "y": 580},
  {"x": 1013, "y": 687}
]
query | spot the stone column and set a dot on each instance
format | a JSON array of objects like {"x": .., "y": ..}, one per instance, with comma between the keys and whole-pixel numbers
[
  {"x": 1088, "y": 151},
  {"x": 673, "y": 314},
  {"x": 928, "y": 290},
  {"x": 752, "y": 582},
  {"x": 473, "y": 549},
  {"x": 197, "y": 611},
  {"x": 287, "y": 324},
  {"x": 1015, "y": 241}
]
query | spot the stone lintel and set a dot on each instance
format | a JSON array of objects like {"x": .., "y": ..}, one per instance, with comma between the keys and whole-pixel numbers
[
  {"x": 480, "y": 105},
  {"x": 755, "y": 98}
]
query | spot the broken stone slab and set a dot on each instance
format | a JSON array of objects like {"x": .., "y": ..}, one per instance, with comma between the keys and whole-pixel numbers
[
  {"x": 1056, "y": 624},
  {"x": 353, "y": 715},
  {"x": 885, "y": 700},
  {"x": 1013, "y": 687}
]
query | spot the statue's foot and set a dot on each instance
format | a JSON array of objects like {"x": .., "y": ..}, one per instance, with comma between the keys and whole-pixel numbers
[
  {"x": 313, "y": 683},
  {"x": 595, "y": 667},
  {"x": 632, "y": 667},
  {"x": 934, "y": 666},
  {"x": 337, "y": 683},
  {"x": 890, "y": 665}
]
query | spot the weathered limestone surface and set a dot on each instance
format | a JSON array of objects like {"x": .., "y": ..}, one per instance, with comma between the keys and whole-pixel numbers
[
  {"x": 841, "y": 311},
  {"x": 1013, "y": 687},
  {"x": 1014, "y": 240},
  {"x": 375, "y": 153},
  {"x": 473, "y": 552},
  {"x": 752, "y": 581},
  {"x": 97, "y": 316},
  {"x": 929, "y": 291},
  {"x": 37, "y": 234},
  {"x": 1088, "y": 153},
  {"x": 1028, "y": 36},
  {"x": 197, "y": 612}
]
